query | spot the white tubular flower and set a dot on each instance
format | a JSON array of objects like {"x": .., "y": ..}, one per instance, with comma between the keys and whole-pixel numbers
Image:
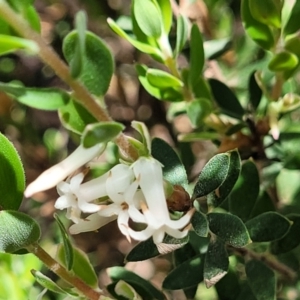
[{"x": 59, "y": 172}]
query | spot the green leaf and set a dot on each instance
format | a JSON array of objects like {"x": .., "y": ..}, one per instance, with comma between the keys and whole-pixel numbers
[
  {"x": 198, "y": 110},
  {"x": 182, "y": 32},
  {"x": 69, "y": 259},
  {"x": 75, "y": 117},
  {"x": 47, "y": 283},
  {"x": 138, "y": 45},
  {"x": 142, "y": 129},
  {"x": 97, "y": 61},
  {"x": 47, "y": 99},
  {"x": 267, "y": 227},
  {"x": 17, "y": 231},
  {"x": 147, "y": 249},
  {"x": 263, "y": 204},
  {"x": 291, "y": 240},
  {"x": 255, "y": 92},
  {"x": 97, "y": 133},
  {"x": 10, "y": 44},
  {"x": 12, "y": 178},
  {"x": 31, "y": 15},
  {"x": 218, "y": 196},
  {"x": 196, "y": 136},
  {"x": 216, "y": 263},
  {"x": 201, "y": 88},
  {"x": 162, "y": 80},
  {"x": 245, "y": 192},
  {"x": 122, "y": 288},
  {"x": 173, "y": 169},
  {"x": 196, "y": 54},
  {"x": 216, "y": 48},
  {"x": 148, "y": 17},
  {"x": 81, "y": 265},
  {"x": 292, "y": 25},
  {"x": 166, "y": 13},
  {"x": 259, "y": 32},
  {"x": 261, "y": 279},
  {"x": 200, "y": 224},
  {"x": 226, "y": 99},
  {"x": 267, "y": 12},
  {"x": 187, "y": 274},
  {"x": 212, "y": 175},
  {"x": 229, "y": 228},
  {"x": 142, "y": 286},
  {"x": 283, "y": 61}
]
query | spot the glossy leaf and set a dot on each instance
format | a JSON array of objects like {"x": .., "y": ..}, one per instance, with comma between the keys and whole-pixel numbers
[
  {"x": 259, "y": 32},
  {"x": 166, "y": 12},
  {"x": 216, "y": 48},
  {"x": 173, "y": 169},
  {"x": 17, "y": 231},
  {"x": 69, "y": 258},
  {"x": 255, "y": 92},
  {"x": 196, "y": 54},
  {"x": 122, "y": 288},
  {"x": 142, "y": 129},
  {"x": 162, "y": 80},
  {"x": 182, "y": 31},
  {"x": 97, "y": 133},
  {"x": 229, "y": 228},
  {"x": 97, "y": 62},
  {"x": 267, "y": 12},
  {"x": 187, "y": 274},
  {"x": 267, "y": 227},
  {"x": 226, "y": 99},
  {"x": 30, "y": 13},
  {"x": 291, "y": 240},
  {"x": 292, "y": 25},
  {"x": 81, "y": 265},
  {"x": 216, "y": 263},
  {"x": 12, "y": 177},
  {"x": 212, "y": 175},
  {"x": 9, "y": 44},
  {"x": 219, "y": 195},
  {"x": 200, "y": 224},
  {"x": 148, "y": 17},
  {"x": 142, "y": 286},
  {"x": 75, "y": 117},
  {"x": 198, "y": 110},
  {"x": 261, "y": 279},
  {"x": 245, "y": 192},
  {"x": 283, "y": 61},
  {"x": 47, "y": 99}
]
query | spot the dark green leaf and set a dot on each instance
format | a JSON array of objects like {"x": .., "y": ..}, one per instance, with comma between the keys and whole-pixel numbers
[
  {"x": 267, "y": 227},
  {"x": 291, "y": 240},
  {"x": 245, "y": 293},
  {"x": 263, "y": 204},
  {"x": 142, "y": 286},
  {"x": 69, "y": 259},
  {"x": 12, "y": 178},
  {"x": 97, "y": 62},
  {"x": 98, "y": 133},
  {"x": 283, "y": 61},
  {"x": 267, "y": 12},
  {"x": 148, "y": 17},
  {"x": 162, "y": 80},
  {"x": 182, "y": 32},
  {"x": 75, "y": 117},
  {"x": 215, "y": 48},
  {"x": 261, "y": 279},
  {"x": 255, "y": 93},
  {"x": 226, "y": 99},
  {"x": 198, "y": 110},
  {"x": 200, "y": 224},
  {"x": 173, "y": 170},
  {"x": 47, "y": 99},
  {"x": 259, "y": 32},
  {"x": 201, "y": 88},
  {"x": 212, "y": 175},
  {"x": 229, "y": 228},
  {"x": 292, "y": 25},
  {"x": 186, "y": 275},
  {"x": 218, "y": 196},
  {"x": 216, "y": 262},
  {"x": 196, "y": 54},
  {"x": 17, "y": 231},
  {"x": 81, "y": 265},
  {"x": 245, "y": 192}
]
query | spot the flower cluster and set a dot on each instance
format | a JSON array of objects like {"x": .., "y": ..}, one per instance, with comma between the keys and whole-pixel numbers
[{"x": 134, "y": 192}]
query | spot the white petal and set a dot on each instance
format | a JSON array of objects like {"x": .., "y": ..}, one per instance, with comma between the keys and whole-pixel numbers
[
  {"x": 136, "y": 215},
  {"x": 87, "y": 207},
  {"x": 141, "y": 235},
  {"x": 59, "y": 172},
  {"x": 109, "y": 210},
  {"x": 65, "y": 201},
  {"x": 158, "y": 236},
  {"x": 182, "y": 222},
  {"x": 91, "y": 223},
  {"x": 123, "y": 222},
  {"x": 176, "y": 233}
]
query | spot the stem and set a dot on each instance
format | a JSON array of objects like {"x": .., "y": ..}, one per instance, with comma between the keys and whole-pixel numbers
[
  {"x": 277, "y": 88},
  {"x": 268, "y": 260},
  {"x": 50, "y": 57},
  {"x": 59, "y": 270}
]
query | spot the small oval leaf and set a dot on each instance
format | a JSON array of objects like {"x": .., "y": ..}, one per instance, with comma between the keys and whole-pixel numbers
[
  {"x": 162, "y": 80},
  {"x": 292, "y": 25},
  {"x": 283, "y": 61},
  {"x": 182, "y": 31},
  {"x": 200, "y": 224},
  {"x": 197, "y": 110}
]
